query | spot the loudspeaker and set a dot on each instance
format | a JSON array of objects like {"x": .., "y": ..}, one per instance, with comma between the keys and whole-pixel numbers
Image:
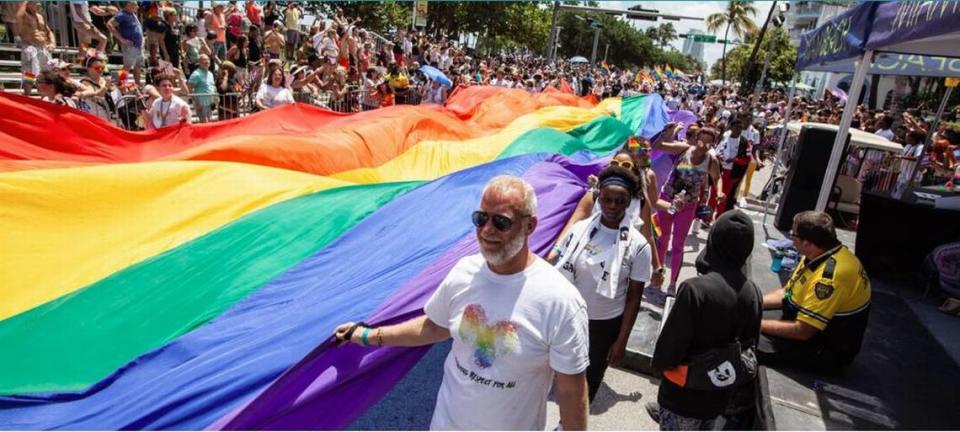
[{"x": 807, "y": 170}]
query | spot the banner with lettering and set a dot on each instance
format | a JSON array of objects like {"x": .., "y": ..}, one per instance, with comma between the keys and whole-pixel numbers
[
  {"x": 841, "y": 38},
  {"x": 929, "y": 28},
  {"x": 897, "y": 64}
]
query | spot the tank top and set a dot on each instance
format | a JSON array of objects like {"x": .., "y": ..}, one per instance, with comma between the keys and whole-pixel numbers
[
  {"x": 255, "y": 52},
  {"x": 685, "y": 176},
  {"x": 241, "y": 61}
]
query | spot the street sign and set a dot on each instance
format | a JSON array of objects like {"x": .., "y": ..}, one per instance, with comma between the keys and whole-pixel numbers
[
  {"x": 702, "y": 37},
  {"x": 420, "y": 13}
]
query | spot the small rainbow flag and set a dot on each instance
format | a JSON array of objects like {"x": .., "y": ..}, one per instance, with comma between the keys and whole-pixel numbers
[{"x": 29, "y": 77}]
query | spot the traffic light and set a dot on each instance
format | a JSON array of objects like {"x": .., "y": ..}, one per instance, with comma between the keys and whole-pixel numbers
[{"x": 639, "y": 8}]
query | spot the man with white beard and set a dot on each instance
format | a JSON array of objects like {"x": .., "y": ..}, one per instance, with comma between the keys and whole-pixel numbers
[{"x": 517, "y": 325}]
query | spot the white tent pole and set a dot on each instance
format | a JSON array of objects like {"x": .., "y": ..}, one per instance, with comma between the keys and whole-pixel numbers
[
  {"x": 783, "y": 139},
  {"x": 853, "y": 97}
]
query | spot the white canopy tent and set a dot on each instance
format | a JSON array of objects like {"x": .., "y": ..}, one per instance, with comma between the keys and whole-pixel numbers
[{"x": 895, "y": 38}]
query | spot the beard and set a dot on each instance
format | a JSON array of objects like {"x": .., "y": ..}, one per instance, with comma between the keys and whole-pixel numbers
[{"x": 505, "y": 252}]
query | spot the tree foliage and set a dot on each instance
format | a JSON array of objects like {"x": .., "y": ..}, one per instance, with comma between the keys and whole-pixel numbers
[
  {"x": 508, "y": 25},
  {"x": 736, "y": 17},
  {"x": 782, "y": 58}
]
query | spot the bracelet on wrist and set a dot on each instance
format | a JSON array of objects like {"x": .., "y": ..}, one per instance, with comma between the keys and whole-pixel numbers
[{"x": 364, "y": 335}]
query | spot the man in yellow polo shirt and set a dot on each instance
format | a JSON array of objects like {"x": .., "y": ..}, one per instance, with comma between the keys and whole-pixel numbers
[{"x": 825, "y": 303}]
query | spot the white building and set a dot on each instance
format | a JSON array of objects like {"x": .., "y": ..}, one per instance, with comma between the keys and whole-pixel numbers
[
  {"x": 691, "y": 48},
  {"x": 804, "y": 16}
]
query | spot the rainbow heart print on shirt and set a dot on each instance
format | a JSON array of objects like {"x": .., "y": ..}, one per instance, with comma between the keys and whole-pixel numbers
[{"x": 489, "y": 341}]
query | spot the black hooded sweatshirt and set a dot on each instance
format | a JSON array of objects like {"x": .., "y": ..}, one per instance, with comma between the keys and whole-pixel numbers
[{"x": 711, "y": 310}]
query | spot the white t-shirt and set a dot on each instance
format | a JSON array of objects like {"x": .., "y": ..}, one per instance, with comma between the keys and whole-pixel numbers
[
  {"x": 164, "y": 114},
  {"x": 84, "y": 15},
  {"x": 728, "y": 148},
  {"x": 510, "y": 333},
  {"x": 272, "y": 96},
  {"x": 591, "y": 265}
]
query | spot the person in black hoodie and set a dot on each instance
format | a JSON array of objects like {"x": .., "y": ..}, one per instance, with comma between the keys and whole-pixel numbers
[{"x": 712, "y": 310}]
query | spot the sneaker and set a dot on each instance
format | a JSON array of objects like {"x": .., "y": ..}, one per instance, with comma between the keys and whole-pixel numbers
[
  {"x": 653, "y": 409},
  {"x": 742, "y": 202}
]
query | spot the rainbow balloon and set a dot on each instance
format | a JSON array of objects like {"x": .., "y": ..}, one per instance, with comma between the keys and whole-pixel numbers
[{"x": 189, "y": 278}]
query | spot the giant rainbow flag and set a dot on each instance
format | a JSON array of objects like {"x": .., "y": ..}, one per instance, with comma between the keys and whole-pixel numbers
[{"x": 189, "y": 278}]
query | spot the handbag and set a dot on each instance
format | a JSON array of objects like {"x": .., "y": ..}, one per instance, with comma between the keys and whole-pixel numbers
[{"x": 719, "y": 368}]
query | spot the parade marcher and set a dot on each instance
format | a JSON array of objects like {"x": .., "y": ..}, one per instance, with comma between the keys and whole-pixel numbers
[
  {"x": 639, "y": 212},
  {"x": 168, "y": 109},
  {"x": 825, "y": 303},
  {"x": 55, "y": 89},
  {"x": 94, "y": 88},
  {"x": 734, "y": 152},
  {"x": 719, "y": 309},
  {"x": 512, "y": 301},
  {"x": 608, "y": 261},
  {"x": 684, "y": 193}
]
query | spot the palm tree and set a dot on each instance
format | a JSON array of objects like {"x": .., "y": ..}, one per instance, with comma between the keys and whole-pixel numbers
[
  {"x": 735, "y": 17},
  {"x": 666, "y": 34}
]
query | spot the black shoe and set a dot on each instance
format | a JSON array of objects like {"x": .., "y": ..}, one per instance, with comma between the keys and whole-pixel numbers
[{"x": 653, "y": 409}]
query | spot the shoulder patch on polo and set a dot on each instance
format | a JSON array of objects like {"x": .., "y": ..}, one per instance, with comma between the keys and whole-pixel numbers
[{"x": 829, "y": 267}]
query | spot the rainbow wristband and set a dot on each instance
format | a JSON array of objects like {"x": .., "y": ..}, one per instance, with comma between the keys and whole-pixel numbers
[{"x": 363, "y": 336}]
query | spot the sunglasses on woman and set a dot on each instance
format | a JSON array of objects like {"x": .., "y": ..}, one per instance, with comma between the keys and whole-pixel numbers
[
  {"x": 500, "y": 222},
  {"x": 624, "y": 164}
]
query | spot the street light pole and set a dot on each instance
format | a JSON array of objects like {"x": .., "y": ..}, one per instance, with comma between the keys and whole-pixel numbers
[
  {"x": 605, "y": 52},
  {"x": 554, "y": 34},
  {"x": 596, "y": 41},
  {"x": 763, "y": 74}
]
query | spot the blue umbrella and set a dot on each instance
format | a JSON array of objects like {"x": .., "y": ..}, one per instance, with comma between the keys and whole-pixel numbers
[
  {"x": 579, "y": 59},
  {"x": 435, "y": 75}
]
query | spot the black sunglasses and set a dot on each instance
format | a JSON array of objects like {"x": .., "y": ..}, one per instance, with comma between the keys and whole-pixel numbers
[{"x": 500, "y": 222}]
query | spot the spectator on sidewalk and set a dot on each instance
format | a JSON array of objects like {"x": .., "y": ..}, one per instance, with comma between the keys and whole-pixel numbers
[
  {"x": 171, "y": 29},
  {"x": 517, "y": 326},
  {"x": 228, "y": 86},
  {"x": 37, "y": 40},
  {"x": 291, "y": 17},
  {"x": 217, "y": 23},
  {"x": 717, "y": 308},
  {"x": 126, "y": 28},
  {"x": 83, "y": 24},
  {"x": 8, "y": 11},
  {"x": 203, "y": 87},
  {"x": 274, "y": 41}
]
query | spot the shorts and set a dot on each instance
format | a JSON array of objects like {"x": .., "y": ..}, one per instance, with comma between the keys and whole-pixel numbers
[
  {"x": 293, "y": 37},
  {"x": 86, "y": 33},
  {"x": 33, "y": 60},
  {"x": 153, "y": 38},
  {"x": 132, "y": 57}
]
